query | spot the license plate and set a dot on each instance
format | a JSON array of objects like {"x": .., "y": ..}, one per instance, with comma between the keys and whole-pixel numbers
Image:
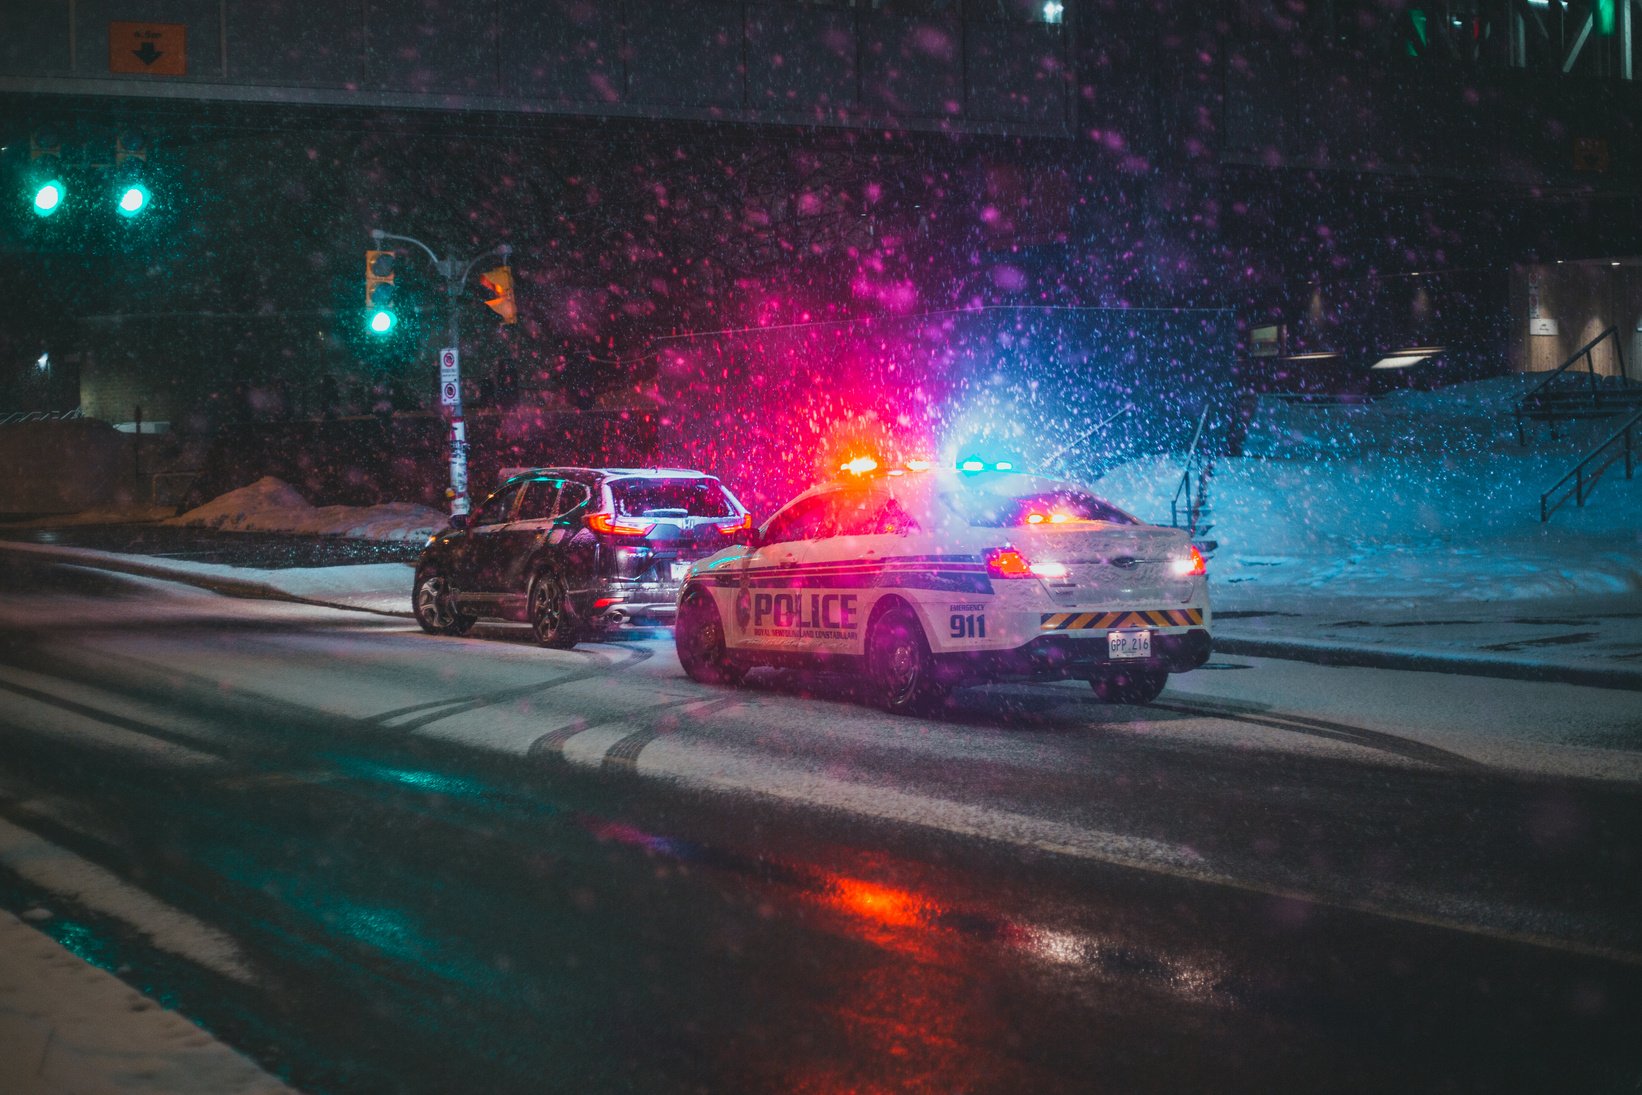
[
  {"x": 680, "y": 570},
  {"x": 1128, "y": 644}
]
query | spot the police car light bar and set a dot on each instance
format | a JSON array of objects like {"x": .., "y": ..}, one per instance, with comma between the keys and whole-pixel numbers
[
  {"x": 860, "y": 465},
  {"x": 975, "y": 463}
]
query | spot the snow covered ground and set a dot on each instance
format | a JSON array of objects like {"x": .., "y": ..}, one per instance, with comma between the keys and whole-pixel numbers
[
  {"x": 272, "y": 505},
  {"x": 1419, "y": 496}
]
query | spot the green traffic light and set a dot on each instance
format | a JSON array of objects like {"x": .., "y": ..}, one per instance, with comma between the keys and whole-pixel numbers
[
  {"x": 382, "y": 321},
  {"x": 133, "y": 200},
  {"x": 48, "y": 198}
]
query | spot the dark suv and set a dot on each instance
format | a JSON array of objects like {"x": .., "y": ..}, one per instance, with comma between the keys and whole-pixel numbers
[{"x": 576, "y": 551}]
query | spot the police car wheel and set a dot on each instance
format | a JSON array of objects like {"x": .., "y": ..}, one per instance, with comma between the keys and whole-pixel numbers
[
  {"x": 900, "y": 666},
  {"x": 434, "y": 612},
  {"x": 1136, "y": 685},
  {"x": 698, "y": 636},
  {"x": 550, "y": 614}
]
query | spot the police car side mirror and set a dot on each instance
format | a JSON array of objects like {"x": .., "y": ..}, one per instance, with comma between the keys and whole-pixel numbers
[
  {"x": 755, "y": 537},
  {"x": 459, "y": 521}
]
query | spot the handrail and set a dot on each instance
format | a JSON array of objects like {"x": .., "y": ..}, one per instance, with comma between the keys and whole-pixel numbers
[
  {"x": 1590, "y": 368},
  {"x": 40, "y": 416},
  {"x": 1632, "y": 426},
  {"x": 1185, "y": 485},
  {"x": 1585, "y": 352},
  {"x": 1052, "y": 460}
]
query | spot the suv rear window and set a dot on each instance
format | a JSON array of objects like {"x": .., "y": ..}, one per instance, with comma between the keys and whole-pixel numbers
[
  {"x": 995, "y": 511},
  {"x": 670, "y": 498}
]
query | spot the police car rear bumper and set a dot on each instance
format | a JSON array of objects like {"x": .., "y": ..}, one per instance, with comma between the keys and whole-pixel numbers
[{"x": 1063, "y": 657}]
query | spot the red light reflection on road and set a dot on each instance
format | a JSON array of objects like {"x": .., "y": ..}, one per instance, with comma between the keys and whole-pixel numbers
[{"x": 881, "y": 904}]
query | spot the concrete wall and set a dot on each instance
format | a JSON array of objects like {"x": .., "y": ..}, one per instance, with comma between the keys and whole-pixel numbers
[
  {"x": 1582, "y": 299},
  {"x": 65, "y": 467}
]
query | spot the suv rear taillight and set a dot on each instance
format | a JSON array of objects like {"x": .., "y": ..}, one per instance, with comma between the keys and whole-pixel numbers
[
  {"x": 740, "y": 524},
  {"x": 616, "y": 526}
]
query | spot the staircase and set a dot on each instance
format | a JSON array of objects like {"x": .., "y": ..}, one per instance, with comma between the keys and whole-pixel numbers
[
  {"x": 1565, "y": 395},
  {"x": 1189, "y": 508},
  {"x": 1624, "y": 444}
]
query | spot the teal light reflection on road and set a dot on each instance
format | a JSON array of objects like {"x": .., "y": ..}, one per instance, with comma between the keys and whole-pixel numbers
[{"x": 415, "y": 778}]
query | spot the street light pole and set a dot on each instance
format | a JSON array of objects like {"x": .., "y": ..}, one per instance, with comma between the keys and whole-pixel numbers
[{"x": 455, "y": 272}]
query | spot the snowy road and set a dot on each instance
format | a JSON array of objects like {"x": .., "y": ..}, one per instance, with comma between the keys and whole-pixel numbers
[{"x": 378, "y": 860}]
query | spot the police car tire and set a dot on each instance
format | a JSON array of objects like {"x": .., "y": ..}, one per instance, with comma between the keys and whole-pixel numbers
[
  {"x": 1137, "y": 685},
  {"x": 547, "y": 594},
  {"x": 898, "y": 693},
  {"x": 432, "y": 615},
  {"x": 698, "y": 636}
]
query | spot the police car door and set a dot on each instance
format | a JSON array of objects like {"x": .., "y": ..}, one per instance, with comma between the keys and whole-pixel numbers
[
  {"x": 851, "y": 566},
  {"x": 768, "y": 604}
]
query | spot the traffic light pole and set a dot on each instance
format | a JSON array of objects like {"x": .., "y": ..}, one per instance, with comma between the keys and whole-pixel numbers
[{"x": 455, "y": 273}]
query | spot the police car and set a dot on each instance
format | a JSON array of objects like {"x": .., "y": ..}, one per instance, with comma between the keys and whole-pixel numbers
[{"x": 929, "y": 578}]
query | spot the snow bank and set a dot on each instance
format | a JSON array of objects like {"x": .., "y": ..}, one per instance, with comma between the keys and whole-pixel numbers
[
  {"x": 1409, "y": 519},
  {"x": 272, "y": 505}
]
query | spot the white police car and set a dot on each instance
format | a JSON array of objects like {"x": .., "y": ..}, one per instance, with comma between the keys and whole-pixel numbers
[{"x": 931, "y": 578}]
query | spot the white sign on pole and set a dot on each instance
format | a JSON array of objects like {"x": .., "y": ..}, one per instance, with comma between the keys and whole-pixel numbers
[
  {"x": 448, "y": 362},
  {"x": 447, "y": 393}
]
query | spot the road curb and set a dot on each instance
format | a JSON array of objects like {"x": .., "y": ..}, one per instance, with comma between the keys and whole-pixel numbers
[
  {"x": 229, "y": 587},
  {"x": 1373, "y": 657}
]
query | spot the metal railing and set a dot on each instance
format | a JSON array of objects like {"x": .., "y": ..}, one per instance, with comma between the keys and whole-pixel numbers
[
  {"x": 1054, "y": 459},
  {"x": 39, "y": 416},
  {"x": 1535, "y": 394},
  {"x": 1625, "y": 440},
  {"x": 1183, "y": 491}
]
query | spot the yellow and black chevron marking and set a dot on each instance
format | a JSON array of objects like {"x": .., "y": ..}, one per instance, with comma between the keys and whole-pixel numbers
[{"x": 1086, "y": 621}]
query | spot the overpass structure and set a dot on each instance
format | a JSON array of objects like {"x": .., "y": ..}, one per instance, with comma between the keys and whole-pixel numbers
[{"x": 996, "y": 67}]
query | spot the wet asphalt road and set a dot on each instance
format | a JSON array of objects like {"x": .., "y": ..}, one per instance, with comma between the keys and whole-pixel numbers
[{"x": 437, "y": 876}]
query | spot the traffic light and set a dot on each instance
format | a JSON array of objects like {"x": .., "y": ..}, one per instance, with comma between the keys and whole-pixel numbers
[
  {"x": 133, "y": 198},
  {"x": 130, "y": 195},
  {"x": 379, "y": 314},
  {"x": 499, "y": 284},
  {"x": 48, "y": 197},
  {"x": 48, "y": 189}
]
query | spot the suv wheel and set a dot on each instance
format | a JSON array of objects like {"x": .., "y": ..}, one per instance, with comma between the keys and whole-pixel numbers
[
  {"x": 900, "y": 666},
  {"x": 434, "y": 612},
  {"x": 550, "y": 612},
  {"x": 698, "y": 635},
  {"x": 1137, "y": 685}
]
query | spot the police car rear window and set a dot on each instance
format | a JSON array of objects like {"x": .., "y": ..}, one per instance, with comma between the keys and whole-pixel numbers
[
  {"x": 1042, "y": 508},
  {"x": 671, "y": 498}
]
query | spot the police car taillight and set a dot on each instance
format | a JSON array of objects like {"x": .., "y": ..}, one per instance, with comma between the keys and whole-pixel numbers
[
  {"x": 1007, "y": 563},
  {"x": 615, "y": 526},
  {"x": 1191, "y": 566}
]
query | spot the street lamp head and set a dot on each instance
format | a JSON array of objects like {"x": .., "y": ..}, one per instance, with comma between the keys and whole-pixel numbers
[{"x": 377, "y": 233}]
